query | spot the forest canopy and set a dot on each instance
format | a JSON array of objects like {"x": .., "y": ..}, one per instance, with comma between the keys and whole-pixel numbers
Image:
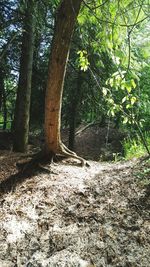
[{"x": 104, "y": 80}]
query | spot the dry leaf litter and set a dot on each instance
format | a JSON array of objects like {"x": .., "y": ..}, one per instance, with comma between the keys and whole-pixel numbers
[{"x": 82, "y": 217}]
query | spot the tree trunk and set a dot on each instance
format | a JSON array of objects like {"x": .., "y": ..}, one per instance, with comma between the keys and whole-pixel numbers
[
  {"x": 22, "y": 109},
  {"x": 4, "y": 111},
  {"x": 74, "y": 105},
  {"x": 65, "y": 22},
  {"x": 1, "y": 87}
]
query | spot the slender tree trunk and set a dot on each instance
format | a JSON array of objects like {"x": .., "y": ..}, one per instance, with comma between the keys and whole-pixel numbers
[
  {"x": 65, "y": 22},
  {"x": 3, "y": 107},
  {"x": 22, "y": 109},
  {"x": 1, "y": 86},
  {"x": 76, "y": 99},
  {"x": 4, "y": 111}
]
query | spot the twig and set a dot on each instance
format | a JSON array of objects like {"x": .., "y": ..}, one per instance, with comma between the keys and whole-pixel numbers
[
  {"x": 94, "y": 8},
  {"x": 117, "y": 24}
]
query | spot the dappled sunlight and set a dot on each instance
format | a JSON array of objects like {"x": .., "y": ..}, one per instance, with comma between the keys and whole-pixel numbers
[
  {"x": 15, "y": 228},
  {"x": 74, "y": 133},
  {"x": 74, "y": 216}
]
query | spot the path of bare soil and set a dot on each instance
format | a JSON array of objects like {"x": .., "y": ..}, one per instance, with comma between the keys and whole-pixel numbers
[{"x": 82, "y": 217}]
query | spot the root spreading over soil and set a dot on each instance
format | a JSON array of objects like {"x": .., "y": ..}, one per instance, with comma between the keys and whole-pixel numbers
[{"x": 81, "y": 217}]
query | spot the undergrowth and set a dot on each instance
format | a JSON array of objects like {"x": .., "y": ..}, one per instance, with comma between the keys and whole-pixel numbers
[{"x": 134, "y": 148}]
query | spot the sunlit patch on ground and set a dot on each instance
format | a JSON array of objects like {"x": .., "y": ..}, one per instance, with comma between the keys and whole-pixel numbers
[{"x": 77, "y": 217}]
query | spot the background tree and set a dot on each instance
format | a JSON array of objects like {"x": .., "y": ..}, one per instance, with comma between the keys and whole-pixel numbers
[
  {"x": 22, "y": 109},
  {"x": 9, "y": 33}
]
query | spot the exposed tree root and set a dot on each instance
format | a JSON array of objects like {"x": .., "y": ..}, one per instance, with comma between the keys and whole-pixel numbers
[
  {"x": 35, "y": 162},
  {"x": 63, "y": 150},
  {"x": 42, "y": 158},
  {"x": 68, "y": 150}
]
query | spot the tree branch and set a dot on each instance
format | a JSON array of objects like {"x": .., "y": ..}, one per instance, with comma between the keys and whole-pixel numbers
[
  {"x": 7, "y": 45},
  {"x": 112, "y": 22},
  {"x": 94, "y": 8}
]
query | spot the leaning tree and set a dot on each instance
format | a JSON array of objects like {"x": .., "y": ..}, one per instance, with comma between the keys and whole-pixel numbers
[{"x": 65, "y": 21}]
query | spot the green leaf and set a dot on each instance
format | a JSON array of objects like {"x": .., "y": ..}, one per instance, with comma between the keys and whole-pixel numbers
[
  {"x": 110, "y": 101},
  {"x": 112, "y": 112},
  {"x": 128, "y": 106},
  {"x": 133, "y": 83},
  {"x": 111, "y": 82},
  {"x": 128, "y": 86},
  {"x": 83, "y": 60},
  {"x": 119, "y": 54},
  {"x": 81, "y": 19},
  {"x": 125, "y": 120},
  {"x": 133, "y": 100},
  {"x": 105, "y": 91},
  {"x": 124, "y": 99}
]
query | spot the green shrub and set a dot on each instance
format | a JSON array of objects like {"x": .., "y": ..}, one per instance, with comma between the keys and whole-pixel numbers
[{"x": 134, "y": 147}]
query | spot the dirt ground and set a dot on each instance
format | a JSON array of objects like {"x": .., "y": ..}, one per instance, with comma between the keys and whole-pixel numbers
[
  {"x": 76, "y": 216},
  {"x": 96, "y": 142},
  {"x": 92, "y": 141}
]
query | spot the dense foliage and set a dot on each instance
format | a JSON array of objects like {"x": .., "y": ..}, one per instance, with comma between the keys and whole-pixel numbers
[{"x": 108, "y": 74}]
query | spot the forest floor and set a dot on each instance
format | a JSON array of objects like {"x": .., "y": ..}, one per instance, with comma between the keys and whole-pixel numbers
[{"x": 76, "y": 216}]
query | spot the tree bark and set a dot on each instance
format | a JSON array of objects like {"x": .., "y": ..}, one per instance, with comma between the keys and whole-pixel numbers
[
  {"x": 65, "y": 22},
  {"x": 4, "y": 111},
  {"x": 22, "y": 108},
  {"x": 1, "y": 86},
  {"x": 74, "y": 105}
]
